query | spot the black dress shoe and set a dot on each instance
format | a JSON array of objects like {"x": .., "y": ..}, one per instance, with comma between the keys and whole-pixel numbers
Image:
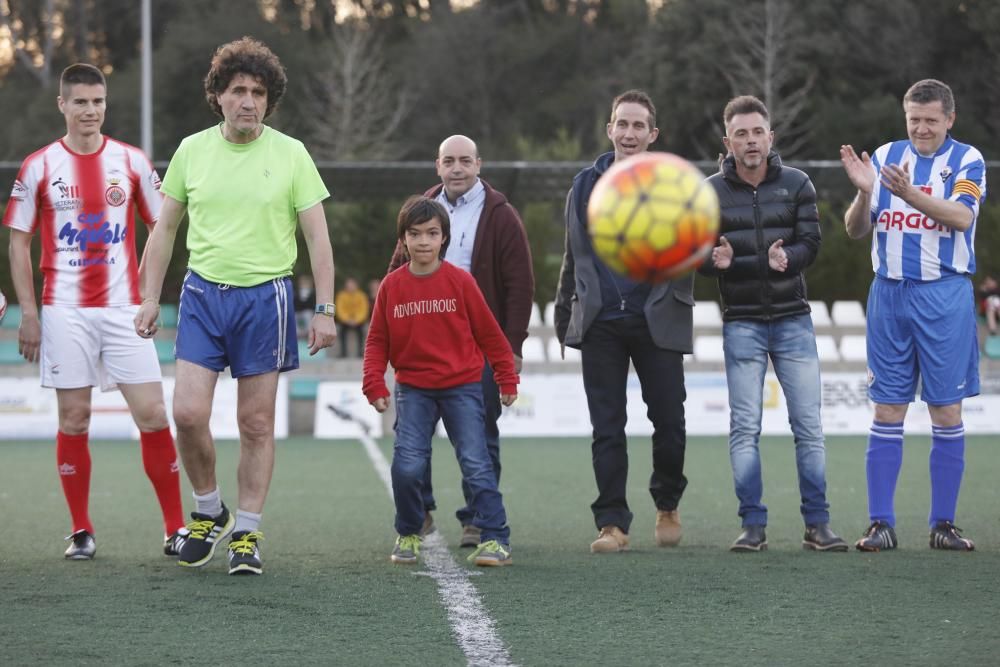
[
  {"x": 752, "y": 538},
  {"x": 819, "y": 537}
]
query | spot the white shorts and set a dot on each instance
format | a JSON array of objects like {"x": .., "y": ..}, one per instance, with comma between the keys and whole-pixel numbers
[{"x": 95, "y": 347}]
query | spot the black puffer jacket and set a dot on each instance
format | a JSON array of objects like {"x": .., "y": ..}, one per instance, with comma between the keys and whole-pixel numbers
[{"x": 782, "y": 207}]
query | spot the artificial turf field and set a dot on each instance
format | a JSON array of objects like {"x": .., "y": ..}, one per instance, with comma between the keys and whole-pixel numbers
[{"x": 330, "y": 596}]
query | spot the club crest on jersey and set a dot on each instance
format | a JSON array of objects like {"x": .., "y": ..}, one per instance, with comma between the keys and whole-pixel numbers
[
  {"x": 114, "y": 195},
  {"x": 945, "y": 174}
]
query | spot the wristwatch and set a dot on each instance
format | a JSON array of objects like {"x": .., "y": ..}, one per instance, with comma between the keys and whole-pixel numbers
[{"x": 327, "y": 309}]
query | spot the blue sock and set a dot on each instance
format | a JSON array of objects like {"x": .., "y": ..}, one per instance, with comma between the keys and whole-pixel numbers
[
  {"x": 947, "y": 463},
  {"x": 882, "y": 463}
]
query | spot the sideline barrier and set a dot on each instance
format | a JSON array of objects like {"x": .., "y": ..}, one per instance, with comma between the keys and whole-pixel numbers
[{"x": 28, "y": 411}]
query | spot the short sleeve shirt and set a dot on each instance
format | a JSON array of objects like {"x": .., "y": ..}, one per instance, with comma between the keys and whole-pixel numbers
[
  {"x": 83, "y": 208},
  {"x": 243, "y": 202}
]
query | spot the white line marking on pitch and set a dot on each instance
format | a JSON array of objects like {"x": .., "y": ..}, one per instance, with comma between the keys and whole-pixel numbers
[{"x": 471, "y": 624}]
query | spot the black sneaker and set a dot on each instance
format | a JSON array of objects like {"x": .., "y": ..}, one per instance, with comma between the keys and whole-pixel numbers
[
  {"x": 81, "y": 547},
  {"x": 244, "y": 554},
  {"x": 879, "y": 537},
  {"x": 205, "y": 534},
  {"x": 172, "y": 544},
  {"x": 944, "y": 535},
  {"x": 819, "y": 537},
  {"x": 753, "y": 538}
]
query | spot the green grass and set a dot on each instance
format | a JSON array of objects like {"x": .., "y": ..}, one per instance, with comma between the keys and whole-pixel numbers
[{"x": 330, "y": 595}]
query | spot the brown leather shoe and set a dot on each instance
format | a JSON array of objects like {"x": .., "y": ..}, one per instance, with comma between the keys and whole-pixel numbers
[
  {"x": 668, "y": 528},
  {"x": 611, "y": 539},
  {"x": 428, "y": 526},
  {"x": 471, "y": 535}
]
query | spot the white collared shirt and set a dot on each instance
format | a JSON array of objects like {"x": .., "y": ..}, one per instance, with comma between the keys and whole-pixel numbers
[{"x": 464, "y": 214}]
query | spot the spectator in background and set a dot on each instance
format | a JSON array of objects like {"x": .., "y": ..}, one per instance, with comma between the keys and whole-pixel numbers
[
  {"x": 352, "y": 315},
  {"x": 989, "y": 303},
  {"x": 305, "y": 303}
]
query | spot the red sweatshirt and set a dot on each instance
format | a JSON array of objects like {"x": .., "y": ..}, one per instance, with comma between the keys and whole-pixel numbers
[{"x": 434, "y": 329}]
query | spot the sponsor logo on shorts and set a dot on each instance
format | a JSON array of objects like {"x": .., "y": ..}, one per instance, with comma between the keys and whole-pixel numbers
[{"x": 871, "y": 376}]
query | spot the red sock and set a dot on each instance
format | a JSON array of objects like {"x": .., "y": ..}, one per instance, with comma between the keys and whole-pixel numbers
[
  {"x": 159, "y": 458},
  {"x": 73, "y": 463}
]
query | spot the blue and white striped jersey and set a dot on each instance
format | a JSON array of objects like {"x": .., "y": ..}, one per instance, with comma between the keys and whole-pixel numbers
[{"x": 906, "y": 243}]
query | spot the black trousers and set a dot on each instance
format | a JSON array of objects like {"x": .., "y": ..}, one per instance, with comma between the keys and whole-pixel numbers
[{"x": 607, "y": 348}]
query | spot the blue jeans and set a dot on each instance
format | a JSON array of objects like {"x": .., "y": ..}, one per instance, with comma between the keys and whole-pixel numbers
[
  {"x": 417, "y": 413},
  {"x": 791, "y": 344},
  {"x": 491, "y": 402}
]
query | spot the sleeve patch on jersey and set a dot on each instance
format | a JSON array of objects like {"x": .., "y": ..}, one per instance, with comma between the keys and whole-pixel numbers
[
  {"x": 19, "y": 192},
  {"x": 966, "y": 187}
]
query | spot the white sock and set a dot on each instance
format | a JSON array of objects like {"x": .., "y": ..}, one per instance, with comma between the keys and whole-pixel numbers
[
  {"x": 210, "y": 503},
  {"x": 246, "y": 521}
]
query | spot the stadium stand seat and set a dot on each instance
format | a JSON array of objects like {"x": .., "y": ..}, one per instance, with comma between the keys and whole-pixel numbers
[
  {"x": 707, "y": 315},
  {"x": 164, "y": 351},
  {"x": 168, "y": 315},
  {"x": 820, "y": 315},
  {"x": 305, "y": 389},
  {"x": 572, "y": 354},
  {"x": 13, "y": 318},
  {"x": 992, "y": 347},
  {"x": 533, "y": 350},
  {"x": 9, "y": 354},
  {"x": 848, "y": 314},
  {"x": 304, "y": 357},
  {"x": 549, "y": 314},
  {"x": 708, "y": 348},
  {"x": 853, "y": 348},
  {"x": 536, "y": 316},
  {"x": 826, "y": 349}
]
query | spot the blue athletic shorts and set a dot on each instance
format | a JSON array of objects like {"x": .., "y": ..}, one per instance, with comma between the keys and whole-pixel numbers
[
  {"x": 922, "y": 331},
  {"x": 249, "y": 329}
]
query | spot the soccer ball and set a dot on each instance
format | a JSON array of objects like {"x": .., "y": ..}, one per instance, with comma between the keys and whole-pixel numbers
[{"x": 652, "y": 217}]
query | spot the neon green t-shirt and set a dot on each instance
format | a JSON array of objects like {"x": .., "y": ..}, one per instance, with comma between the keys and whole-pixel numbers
[{"x": 242, "y": 202}]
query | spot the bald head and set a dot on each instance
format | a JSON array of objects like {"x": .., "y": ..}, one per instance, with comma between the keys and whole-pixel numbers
[{"x": 458, "y": 165}]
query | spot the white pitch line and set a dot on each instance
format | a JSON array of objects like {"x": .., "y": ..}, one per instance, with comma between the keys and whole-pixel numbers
[{"x": 474, "y": 630}]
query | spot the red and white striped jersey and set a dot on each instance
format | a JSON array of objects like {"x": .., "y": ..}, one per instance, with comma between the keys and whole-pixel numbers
[{"x": 83, "y": 207}]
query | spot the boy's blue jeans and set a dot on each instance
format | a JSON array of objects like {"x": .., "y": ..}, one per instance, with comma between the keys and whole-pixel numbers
[{"x": 461, "y": 408}]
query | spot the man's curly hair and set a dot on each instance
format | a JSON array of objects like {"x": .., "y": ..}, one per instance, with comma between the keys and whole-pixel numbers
[{"x": 245, "y": 56}]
